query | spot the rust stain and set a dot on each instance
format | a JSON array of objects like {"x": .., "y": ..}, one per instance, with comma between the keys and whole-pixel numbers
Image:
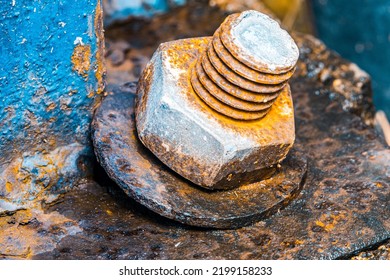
[
  {"x": 8, "y": 186},
  {"x": 90, "y": 94},
  {"x": 100, "y": 69},
  {"x": 20, "y": 240},
  {"x": 329, "y": 222},
  {"x": 81, "y": 60},
  {"x": 189, "y": 53},
  {"x": 50, "y": 107}
]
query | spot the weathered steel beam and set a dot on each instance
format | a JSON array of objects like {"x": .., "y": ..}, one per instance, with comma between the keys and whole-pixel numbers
[{"x": 51, "y": 76}]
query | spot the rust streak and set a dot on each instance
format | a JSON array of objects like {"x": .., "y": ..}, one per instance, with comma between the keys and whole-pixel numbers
[
  {"x": 100, "y": 69},
  {"x": 81, "y": 60}
]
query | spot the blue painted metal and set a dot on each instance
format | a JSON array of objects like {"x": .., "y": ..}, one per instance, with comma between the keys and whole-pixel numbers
[
  {"x": 46, "y": 97},
  {"x": 360, "y": 31},
  {"x": 122, "y": 9}
]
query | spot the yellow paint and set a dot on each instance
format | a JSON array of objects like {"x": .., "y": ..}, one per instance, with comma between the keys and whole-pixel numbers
[
  {"x": 81, "y": 60},
  {"x": 109, "y": 212}
]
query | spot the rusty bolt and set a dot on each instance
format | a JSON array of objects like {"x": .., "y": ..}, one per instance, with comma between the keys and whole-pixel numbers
[{"x": 218, "y": 110}]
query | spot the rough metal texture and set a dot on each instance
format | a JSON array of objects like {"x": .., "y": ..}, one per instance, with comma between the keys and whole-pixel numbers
[
  {"x": 257, "y": 40},
  {"x": 51, "y": 73},
  {"x": 366, "y": 42},
  {"x": 50, "y": 77},
  {"x": 191, "y": 138},
  {"x": 342, "y": 209},
  {"x": 43, "y": 78},
  {"x": 222, "y": 62},
  {"x": 112, "y": 226},
  {"x": 143, "y": 177}
]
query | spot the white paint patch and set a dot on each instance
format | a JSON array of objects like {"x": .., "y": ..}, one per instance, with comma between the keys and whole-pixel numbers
[
  {"x": 24, "y": 40},
  {"x": 13, "y": 3},
  {"x": 62, "y": 24},
  {"x": 78, "y": 41}
]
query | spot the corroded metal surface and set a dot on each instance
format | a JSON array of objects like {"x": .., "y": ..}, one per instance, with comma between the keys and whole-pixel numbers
[
  {"x": 333, "y": 102},
  {"x": 228, "y": 99},
  {"x": 243, "y": 33},
  {"x": 342, "y": 210},
  {"x": 245, "y": 71},
  {"x": 50, "y": 83},
  {"x": 264, "y": 92},
  {"x": 202, "y": 131},
  {"x": 146, "y": 179},
  {"x": 222, "y": 104},
  {"x": 194, "y": 140}
]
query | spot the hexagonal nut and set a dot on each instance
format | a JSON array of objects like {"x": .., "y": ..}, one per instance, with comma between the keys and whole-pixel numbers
[{"x": 203, "y": 146}]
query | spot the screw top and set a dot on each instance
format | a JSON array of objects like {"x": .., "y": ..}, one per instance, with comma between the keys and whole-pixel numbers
[{"x": 259, "y": 42}]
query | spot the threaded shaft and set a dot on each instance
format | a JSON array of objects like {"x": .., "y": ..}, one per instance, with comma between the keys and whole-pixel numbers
[{"x": 229, "y": 84}]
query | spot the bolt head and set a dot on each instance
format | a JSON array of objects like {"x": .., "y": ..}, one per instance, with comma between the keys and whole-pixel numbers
[{"x": 198, "y": 143}]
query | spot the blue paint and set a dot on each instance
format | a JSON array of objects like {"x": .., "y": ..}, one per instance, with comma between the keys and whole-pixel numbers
[
  {"x": 122, "y": 9},
  {"x": 45, "y": 105},
  {"x": 41, "y": 97},
  {"x": 360, "y": 31}
]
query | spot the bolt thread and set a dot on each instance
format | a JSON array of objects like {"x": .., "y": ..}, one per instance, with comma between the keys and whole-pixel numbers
[{"x": 231, "y": 87}]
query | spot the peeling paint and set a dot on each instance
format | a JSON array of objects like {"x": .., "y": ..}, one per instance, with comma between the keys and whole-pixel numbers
[
  {"x": 100, "y": 70},
  {"x": 28, "y": 181},
  {"x": 49, "y": 52},
  {"x": 81, "y": 60}
]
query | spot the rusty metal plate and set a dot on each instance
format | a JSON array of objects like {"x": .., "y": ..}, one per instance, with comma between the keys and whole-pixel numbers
[{"x": 143, "y": 177}]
